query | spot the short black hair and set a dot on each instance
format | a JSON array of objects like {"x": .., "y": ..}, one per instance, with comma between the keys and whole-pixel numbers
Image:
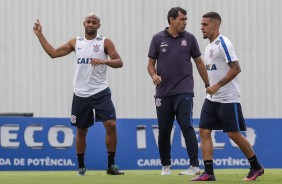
[
  {"x": 212, "y": 15},
  {"x": 173, "y": 12}
]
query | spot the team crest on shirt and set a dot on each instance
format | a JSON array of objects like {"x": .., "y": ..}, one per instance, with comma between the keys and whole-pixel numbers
[
  {"x": 163, "y": 49},
  {"x": 158, "y": 102},
  {"x": 96, "y": 48},
  {"x": 73, "y": 119},
  {"x": 184, "y": 43},
  {"x": 211, "y": 53}
]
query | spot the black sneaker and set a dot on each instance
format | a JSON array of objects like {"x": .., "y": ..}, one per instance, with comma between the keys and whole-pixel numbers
[
  {"x": 114, "y": 170},
  {"x": 81, "y": 171}
]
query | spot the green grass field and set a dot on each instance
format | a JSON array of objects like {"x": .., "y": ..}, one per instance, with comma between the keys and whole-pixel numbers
[{"x": 223, "y": 176}]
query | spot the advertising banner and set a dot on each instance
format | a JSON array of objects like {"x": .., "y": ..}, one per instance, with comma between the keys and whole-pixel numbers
[{"x": 49, "y": 144}]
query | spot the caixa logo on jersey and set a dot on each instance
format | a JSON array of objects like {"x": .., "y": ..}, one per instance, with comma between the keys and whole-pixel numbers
[{"x": 36, "y": 136}]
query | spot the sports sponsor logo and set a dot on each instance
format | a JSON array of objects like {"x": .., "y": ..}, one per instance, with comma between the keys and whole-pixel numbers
[
  {"x": 83, "y": 60},
  {"x": 211, "y": 67},
  {"x": 58, "y": 136},
  {"x": 163, "y": 46},
  {"x": 141, "y": 137}
]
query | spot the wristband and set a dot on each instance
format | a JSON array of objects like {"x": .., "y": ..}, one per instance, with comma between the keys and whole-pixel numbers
[{"x": 207, "y": 85}]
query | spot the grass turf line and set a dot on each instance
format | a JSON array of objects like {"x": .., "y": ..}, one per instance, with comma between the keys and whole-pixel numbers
[{"x": 223, "y": 176}]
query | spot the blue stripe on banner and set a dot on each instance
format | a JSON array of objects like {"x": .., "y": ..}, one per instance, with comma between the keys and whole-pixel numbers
[
  {"x": 225, "y": 48},
  {"x": 236, "y": 115}
]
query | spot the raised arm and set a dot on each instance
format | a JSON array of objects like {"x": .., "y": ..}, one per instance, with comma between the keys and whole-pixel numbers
[{"x": 49, "y": 49}]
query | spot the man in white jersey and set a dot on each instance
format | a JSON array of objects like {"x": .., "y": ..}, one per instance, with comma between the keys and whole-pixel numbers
[
  {"x": 91, "y": 90},
  {"x": 221, "y": 109}
]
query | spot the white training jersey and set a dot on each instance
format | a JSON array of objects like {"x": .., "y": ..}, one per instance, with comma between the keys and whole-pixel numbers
[
  {"x": 217, "y": 56},
  {"x": 89, "y": 80}
]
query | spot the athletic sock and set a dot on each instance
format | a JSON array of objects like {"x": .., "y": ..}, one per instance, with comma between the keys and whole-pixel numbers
[
  {"x": 255, "y": 165},
  {"x": 209, "y": 167},
  {"x": 111, "y": 158},
  {"x": 80, "y": 159}
]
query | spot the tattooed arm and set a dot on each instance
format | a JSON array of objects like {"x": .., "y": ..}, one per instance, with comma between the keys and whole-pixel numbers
[{"x": 231, "y": 74}]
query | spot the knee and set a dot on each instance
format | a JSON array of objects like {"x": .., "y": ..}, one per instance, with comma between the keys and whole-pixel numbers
[
  {"x": 164, "y": 131},
  {"x": 232, "y": 135},
  {"x": 204, "y": 133},
  {"x": 164, "y": 135},
  {"x": 81, "y": 132},
  {"x": 110, "y": 127},
  {"x": 186, "y": 126}
]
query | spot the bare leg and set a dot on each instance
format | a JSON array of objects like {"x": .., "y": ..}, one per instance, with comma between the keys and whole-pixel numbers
[
  {"x": 206, "y": 144},
  {"x": 111, "y": 135},
  {"x": 243, "y": 143},
  {"x": 81, "y": 140},
  {"x": 80, "y": 149},
  {"x": 111, "y": 144}
]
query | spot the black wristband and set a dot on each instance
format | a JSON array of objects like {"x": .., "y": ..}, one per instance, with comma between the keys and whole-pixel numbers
[{"x": 207, "y": 85}]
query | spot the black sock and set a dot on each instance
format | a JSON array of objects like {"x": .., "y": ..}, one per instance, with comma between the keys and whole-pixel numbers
[
  {"x": 111, "y": 158},
  {"x": 209, "y": 167},
  {"x": 80, "y": 159},
  {"x": 255, "y": 165}
]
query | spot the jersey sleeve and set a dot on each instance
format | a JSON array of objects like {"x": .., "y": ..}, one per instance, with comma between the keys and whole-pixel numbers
[
  {"x": 227, "y": 50},
  {"x": 153, "y": 49},
  {"x": 195, "y": 49}
]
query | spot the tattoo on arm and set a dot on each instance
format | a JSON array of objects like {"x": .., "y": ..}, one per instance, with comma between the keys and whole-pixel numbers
[
  {"x": 235, "y": 65},
  {"x": 231, "y": 74},
  {"x": 222, "y": 82}
]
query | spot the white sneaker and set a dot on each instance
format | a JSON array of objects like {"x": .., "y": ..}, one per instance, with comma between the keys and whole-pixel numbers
[
  {"x": 192, "y": 170},
  {"x": 166, "y": 170}
]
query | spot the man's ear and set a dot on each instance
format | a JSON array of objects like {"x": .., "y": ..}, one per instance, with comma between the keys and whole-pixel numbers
[{"x": 171, "y": 19}]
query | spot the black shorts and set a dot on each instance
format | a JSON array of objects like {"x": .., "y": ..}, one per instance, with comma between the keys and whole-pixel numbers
[
  {"x": 82, "y": 109},
  {"x": 222, "y": 116}
]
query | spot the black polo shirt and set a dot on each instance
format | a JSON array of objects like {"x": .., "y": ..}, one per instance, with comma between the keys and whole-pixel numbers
[{"x": 174, "y": 65}]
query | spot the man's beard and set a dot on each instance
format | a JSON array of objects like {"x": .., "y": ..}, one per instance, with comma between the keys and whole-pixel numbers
[{"x": 90, "y": 32}]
